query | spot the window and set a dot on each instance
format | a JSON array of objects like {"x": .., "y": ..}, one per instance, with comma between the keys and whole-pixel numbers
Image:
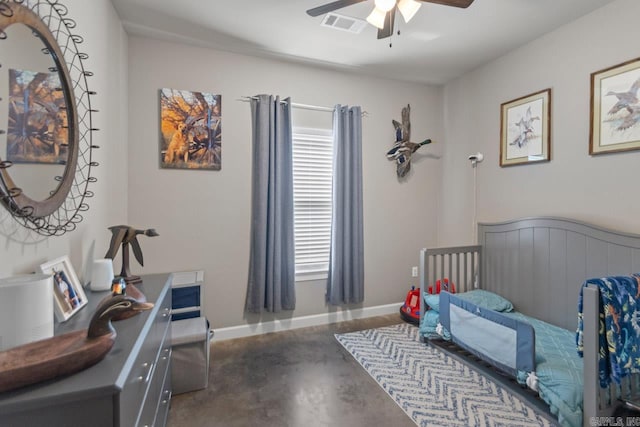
[{"x": 312, "y": 175}]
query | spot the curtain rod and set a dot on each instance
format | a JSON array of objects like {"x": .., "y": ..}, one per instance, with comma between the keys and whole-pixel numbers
[{"x": 301, "y": 106}]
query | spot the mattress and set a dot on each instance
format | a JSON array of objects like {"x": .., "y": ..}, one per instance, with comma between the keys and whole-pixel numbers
[{"x": 559, "y": 370}]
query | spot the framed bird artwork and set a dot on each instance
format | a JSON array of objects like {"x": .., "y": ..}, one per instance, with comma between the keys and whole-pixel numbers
[
  {"x": 615, "y": 108},
  {"x": 403, "y": 147},
  {"x": 525, "y": 125}
]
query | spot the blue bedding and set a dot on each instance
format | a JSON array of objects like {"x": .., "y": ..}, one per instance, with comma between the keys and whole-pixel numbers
[{"x": 559, "y": 370}]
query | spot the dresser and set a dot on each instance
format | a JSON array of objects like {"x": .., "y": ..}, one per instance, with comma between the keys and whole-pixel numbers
[{"x": 130, "y": 387}]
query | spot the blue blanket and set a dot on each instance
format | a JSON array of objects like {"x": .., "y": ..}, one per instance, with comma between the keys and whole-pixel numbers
[{"x": 619, "y": 335}]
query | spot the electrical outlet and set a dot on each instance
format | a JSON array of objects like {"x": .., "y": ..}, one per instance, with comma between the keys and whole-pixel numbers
[{"x": 414, "y": 271}]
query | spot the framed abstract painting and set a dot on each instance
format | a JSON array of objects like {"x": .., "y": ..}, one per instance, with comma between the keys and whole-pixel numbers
[{"x": 525, "y": 125}]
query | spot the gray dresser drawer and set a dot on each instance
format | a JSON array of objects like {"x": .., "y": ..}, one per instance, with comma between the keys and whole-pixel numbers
[
  {"x": 154, "y": 393},
  {"x": 165, "y": 399},
  {"x": 144, "y": 385},
  {"x": 163, "y": 322},
  {"x": 138, "y": 381}
]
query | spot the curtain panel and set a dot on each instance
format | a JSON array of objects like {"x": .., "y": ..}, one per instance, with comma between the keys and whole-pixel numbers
[
  {"x": 345, "y": 284},
  {"x": 271, "y": 284}
]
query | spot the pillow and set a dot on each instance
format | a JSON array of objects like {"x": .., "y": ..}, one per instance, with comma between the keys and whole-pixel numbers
[
  {"x": 433, "y": 301},
  {"x": 487, "y": 299}
]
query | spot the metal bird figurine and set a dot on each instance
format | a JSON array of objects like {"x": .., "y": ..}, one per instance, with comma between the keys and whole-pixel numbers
[
  {"x": 68, "y": 353},
  {"x": 403, "y": 148},
  {"x": 125, "y": 235}
]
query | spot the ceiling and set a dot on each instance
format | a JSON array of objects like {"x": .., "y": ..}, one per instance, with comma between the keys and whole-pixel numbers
[{"x": 439, "y": 44}]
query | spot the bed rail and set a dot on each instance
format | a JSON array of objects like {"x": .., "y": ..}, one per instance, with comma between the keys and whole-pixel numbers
[{"x": 591, "y": 395}]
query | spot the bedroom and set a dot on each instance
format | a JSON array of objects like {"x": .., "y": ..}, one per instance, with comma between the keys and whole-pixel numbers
[{"x": 462, "y": 116}]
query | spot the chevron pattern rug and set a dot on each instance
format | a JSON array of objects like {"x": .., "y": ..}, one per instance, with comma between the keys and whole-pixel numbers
[{"x": 432, "y": 387}]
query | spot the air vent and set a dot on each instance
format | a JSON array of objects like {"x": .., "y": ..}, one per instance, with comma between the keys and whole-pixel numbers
[{"x": 344, "y": 23}]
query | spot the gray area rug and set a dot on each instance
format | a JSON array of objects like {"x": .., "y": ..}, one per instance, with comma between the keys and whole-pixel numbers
[{"x": 432, "y": 387}]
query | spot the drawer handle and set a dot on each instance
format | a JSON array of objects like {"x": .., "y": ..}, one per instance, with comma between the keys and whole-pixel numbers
[
  {"x": 149, "y": 372},
  {"x": 168, "y": 393},
  {"x": 167, "y": 352}
]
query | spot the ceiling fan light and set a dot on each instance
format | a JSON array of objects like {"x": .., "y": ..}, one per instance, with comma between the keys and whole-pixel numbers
[
  {"x": 385, "y": 5},
  {"x": 408, "y": 8},
  {"x": 377, "y": 18}
]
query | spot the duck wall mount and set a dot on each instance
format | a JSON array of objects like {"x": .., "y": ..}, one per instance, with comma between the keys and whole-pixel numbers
[{"x": 403, "y": 148}]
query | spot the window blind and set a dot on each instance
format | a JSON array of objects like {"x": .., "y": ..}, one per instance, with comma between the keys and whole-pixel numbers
[{"x": 312, "y": 176}]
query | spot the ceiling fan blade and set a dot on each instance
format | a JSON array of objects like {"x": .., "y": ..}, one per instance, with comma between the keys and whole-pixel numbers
[
  {"x": 330, "y": 7},
  {"x": 455, "y": 3},
  {"x": 389, "y": 19}
]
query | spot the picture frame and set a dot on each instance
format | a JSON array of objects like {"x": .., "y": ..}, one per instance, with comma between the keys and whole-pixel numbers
[
  {"x": 615, "y": 110},
  {"x": 190, "y": 130},
  {"x": 68, "y": 294},
  {"x": 525, "y": 129},
  {"x": 38, "y": 128}
]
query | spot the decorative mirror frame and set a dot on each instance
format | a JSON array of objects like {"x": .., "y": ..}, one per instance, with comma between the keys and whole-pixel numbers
[{"x": 61, "y": 211}]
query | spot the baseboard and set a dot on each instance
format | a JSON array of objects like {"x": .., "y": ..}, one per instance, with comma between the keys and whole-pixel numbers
[{"x": 303, "y": 322}]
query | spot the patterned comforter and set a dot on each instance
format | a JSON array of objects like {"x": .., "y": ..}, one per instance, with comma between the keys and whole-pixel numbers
[{"x": 619, "y": 336}]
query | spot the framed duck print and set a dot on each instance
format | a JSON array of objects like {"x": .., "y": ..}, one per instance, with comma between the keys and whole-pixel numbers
[
  {"x": 615, "y": 110},
  {"x": 525, "y": 125}
]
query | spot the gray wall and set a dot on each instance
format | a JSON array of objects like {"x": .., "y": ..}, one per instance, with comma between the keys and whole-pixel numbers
[
  {"x": 203, "y": 217},
  {"x": 106, "y": 44},
  {"x": 600, "y": 189}
]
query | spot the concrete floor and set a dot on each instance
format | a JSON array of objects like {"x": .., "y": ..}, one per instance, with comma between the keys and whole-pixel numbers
[{"x": 299, "y": 378}]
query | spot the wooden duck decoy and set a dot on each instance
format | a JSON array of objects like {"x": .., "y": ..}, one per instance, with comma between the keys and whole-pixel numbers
[{"x": 68, "y": 353}]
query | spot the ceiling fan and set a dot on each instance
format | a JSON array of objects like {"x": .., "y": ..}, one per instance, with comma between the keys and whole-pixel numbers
[{"x": 384, "y": 12}]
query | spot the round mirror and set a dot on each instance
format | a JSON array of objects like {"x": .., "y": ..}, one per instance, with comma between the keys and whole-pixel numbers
[{"x": 45, "y": 150}]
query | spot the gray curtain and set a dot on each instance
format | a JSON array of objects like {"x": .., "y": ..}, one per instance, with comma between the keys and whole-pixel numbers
[
  {"x": 346, "y": 262},
  {"x": 271, "y": 284}
]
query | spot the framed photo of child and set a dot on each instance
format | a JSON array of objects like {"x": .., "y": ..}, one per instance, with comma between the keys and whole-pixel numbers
[{"x": 68, "y": 295}]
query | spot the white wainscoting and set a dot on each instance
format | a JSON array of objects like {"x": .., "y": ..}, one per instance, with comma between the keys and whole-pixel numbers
[{"x": 304, "y": 321}]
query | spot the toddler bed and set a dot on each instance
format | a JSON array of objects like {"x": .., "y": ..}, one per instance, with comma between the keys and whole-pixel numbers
[{"x": 540, "y": 264}]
